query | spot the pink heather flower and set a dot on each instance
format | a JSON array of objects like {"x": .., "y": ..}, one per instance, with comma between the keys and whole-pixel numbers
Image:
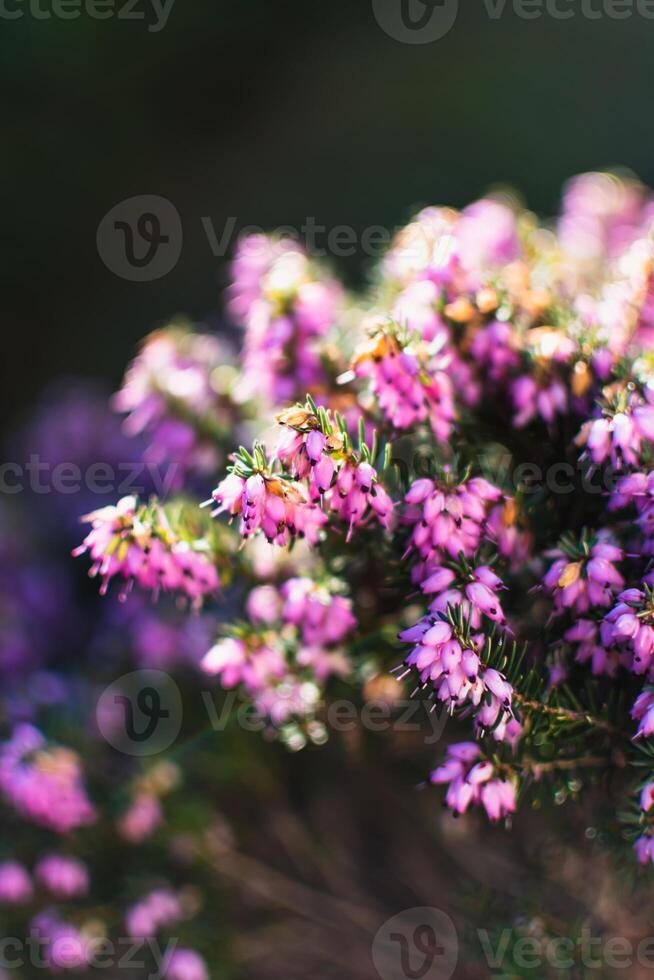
[
  {"x": 135, "y": 543},
  {"x": 643, "y": 713},
  {"x": 454, "y": 671},
  {"x": 141, "y": 819},
  {"x": 647, "y": 796},
  {"x": 486, "y": 237},
  {"x": 585, "y": 635},
  {"x": 264, "y": 604},
  {"x": 426, "y": 250},
  {"x": 475, "y": 591},
  {"x": 448, "y": 520},
  {"x": 357, "y": 496},
  {"x": 304, "y": 456},
  {"x": 589, "y": 582},
  {"x": 494, "y": 349},
  {"x": 630, "y": 627},
  {"x": 504, "y": 529},
  {"x": 532, "y": 399},
  {"x": 347, "y": 486},
  {"x": 602, "y": 214},
  {"x": 416, "y": 309},
  {"x": 65, "y": 877},
  {"x": 15, "y": 884},
  {"x": 322, "y": 618},
  {"x": 644, "y": 848},
  {"x": 158, "y": 909},
  {"x": 283, "y": 659},
  {"x": 172, "y": 395},
  {"x": 619, "y": 434},
  {"x": 63, "y": 945},
  {"x": 277, "y": 507},
  {"x": 473, "y": 781},
  {"x": 410, "y": 385},
  {"x": 507, "y": 730},
  {"x": 286, "y": 306},
  {"x": 638, "y": 489},
  {"x": 185, "y": 964},
  {"x": 236, "y": 662},
  {"x": 43, "y": 782},
  {"x": 291, "y": 698},
  {"x": 227, "y": 659}
]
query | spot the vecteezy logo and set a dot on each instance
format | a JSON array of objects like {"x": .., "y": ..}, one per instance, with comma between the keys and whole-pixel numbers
[
  {"x": 149, "y": 703},
  {"x": 417, "y": 944},
  {"x": 141, "y": 712},
  {"x": 140, "y": 239},
  {"x": 416, "y": 21}
]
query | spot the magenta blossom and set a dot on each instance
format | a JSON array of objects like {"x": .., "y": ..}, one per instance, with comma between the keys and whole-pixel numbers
[
  {"x": 286, "y": 305},
  {"x": 533, "y": 399},
  {"x": 448, "y": 520},
  {"x": 643, "y": 713},
  {"x": 185, "y": 964},
  {"x": 411, "y": 385},
  {"x": 44, "y": 782},
  {"x": 176, "y": 393},
  {"x": 135, "y": 543},
  {"x": 158, "y": 909},
  {"x": 143, "y": 816},
  {"x": 473, "y": 780},
  {"x": 644, "y": 848},
  {"x": 63, "y": 945},
  {"x": 323, "y": 618},
  {"x": 276, "y": 506},
  {"x": 289, "y": 650},
  {"x": 15, "y": 884},
  {"x": 630, "y": 627},
  {"x": 589, "y": 581},
  {"x": 453, "y": 668},
  {"x": 620, "y": 434},
  {"x": 473, "y": 588},
  {"x": 65, "y": 877}
]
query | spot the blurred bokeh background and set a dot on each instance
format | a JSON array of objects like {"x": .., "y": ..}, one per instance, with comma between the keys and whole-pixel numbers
[{"x": 271, "y": 113}]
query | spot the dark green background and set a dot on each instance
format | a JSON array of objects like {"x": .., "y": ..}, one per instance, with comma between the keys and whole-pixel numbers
[{"x": 271, "y": 111}]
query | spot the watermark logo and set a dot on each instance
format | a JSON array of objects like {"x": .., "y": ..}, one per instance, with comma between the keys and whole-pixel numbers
[
  {"x": 416, "y": 21},
  {"x": 140, "y": 239},
  {"x": 140, "y": 713},
  {"x": 417, "y": 944},
  {"x": 425, "y": 21},
  {"x": 153, "y": 13}
]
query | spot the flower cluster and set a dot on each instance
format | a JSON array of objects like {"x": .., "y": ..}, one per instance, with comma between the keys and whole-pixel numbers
[
  {"x": 320, "y": 473},
  {"x": 630, "y": 625},
  {"x": 63, "y": 876},
  {"x": 185, "y": 964},
  {"x": 583, "y": 576},
  {"x": 408, "y": 380},
  {"x": 448, "y": 518},
  {"x": 623, "y": 431},
  {"x": 472, "y": 780},
  {"x": 15, "y": 884},
  {"x": 136, "y": 543},
  {"x": 403, "y": 481},
  {"x": 288, "y": 649},
  {"x": 269, "y": 503},
  {"x": 177, "y": 394},
  {"x": 44, "y": 782},
  {"x": 450, "y": 660},
  {"x": 159, "y": 908},
  {"x": 286, "y": 305},
  {"x": 64, "y": 945}
]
